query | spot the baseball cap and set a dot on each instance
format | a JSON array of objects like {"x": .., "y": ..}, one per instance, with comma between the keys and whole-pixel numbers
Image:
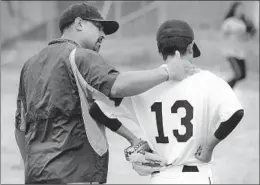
[
  {"x": 179, "y": 32},
  {"x": 87, "y": 12}
]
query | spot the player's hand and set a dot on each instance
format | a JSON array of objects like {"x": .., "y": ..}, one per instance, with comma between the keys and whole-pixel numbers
[
  {"x": 177, "y": 67},
  {"x": 145, "y": 170},
  {"x": 142, "y": 153},
  {"x": 204, "y": 154},
  {"x": 143, "y": 160}
]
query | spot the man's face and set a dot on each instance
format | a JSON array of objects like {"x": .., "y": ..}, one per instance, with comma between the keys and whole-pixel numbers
[{"x": 91, "y": 34}]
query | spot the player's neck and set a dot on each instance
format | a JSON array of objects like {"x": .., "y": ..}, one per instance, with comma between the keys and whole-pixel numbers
[
  {"x": 183, "y": 57},
  {"x": 191, "y": 69}
]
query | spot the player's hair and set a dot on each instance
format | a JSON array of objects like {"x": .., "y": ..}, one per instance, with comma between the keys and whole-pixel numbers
[{"x": 168, "y": 46}]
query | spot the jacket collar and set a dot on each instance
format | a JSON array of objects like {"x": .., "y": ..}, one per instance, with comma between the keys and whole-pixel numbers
[{"x": 59, "y": 40}]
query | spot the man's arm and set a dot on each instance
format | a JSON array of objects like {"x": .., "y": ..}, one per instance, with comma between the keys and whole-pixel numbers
[
  {"x": 136, "y": 82},
  {"x": 132, "y": 83},
  {"x": 115, "y": 84},
  {"x": 113, "y": 124},
  {"x": 144, "y": 161}
]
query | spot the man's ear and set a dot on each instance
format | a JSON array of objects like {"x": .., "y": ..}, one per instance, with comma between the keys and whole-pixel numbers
[{"x": 78, "y": 24}]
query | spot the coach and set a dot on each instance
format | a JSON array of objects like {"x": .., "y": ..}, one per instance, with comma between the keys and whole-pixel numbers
[{"x": 49, "y": 127}]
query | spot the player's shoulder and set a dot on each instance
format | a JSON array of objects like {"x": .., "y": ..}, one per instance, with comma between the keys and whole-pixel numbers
[
  {"x": 212, "y": 80},
  {"x": 206, "y": 75},
  {"x": 217, "y": 86}
]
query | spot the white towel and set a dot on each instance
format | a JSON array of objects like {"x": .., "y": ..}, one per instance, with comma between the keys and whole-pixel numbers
[{"x": 95, "y": 132}]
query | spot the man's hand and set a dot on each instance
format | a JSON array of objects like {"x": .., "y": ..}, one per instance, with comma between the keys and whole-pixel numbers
[
  {"x": 204, "y": 153},
  {"x": 142, "y": 153},
  {"x": 178, "y": 68}
]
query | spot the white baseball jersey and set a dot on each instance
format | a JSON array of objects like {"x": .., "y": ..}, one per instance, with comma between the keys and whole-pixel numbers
[{"x": 178, "y": 116}]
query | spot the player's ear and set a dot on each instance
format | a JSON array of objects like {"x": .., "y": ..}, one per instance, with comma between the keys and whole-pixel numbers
[
  {"x": 177, "y": 54},
  {"x": 78, "y": 24}
]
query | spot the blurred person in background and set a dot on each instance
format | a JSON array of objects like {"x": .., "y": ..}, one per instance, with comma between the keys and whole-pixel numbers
[
  {"x": 237, "y": 29},
  {"x": 50, "y": 125}
]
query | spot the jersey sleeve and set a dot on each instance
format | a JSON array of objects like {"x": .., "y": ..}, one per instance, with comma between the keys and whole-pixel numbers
[
  {"x": 95, "y": 70},
  {"x": 223, "y": 102}
]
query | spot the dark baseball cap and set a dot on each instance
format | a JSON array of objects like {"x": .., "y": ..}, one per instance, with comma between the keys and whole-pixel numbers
[
  {"x": 180, "y": 33},
  {"x": 87, "y": 12}
]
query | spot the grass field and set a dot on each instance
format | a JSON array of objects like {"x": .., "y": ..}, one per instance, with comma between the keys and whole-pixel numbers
[{"x": 236, "y": 159}]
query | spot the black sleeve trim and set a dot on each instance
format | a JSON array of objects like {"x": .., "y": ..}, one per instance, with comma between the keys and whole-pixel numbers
[
  {"x": 97, "y": 114},
  {"x": 228, "y": 126}
]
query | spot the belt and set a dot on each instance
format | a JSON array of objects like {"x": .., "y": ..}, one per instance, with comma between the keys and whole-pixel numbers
[
  {"x": 190, "y": 169},
  {"x": 185, "y": 169}
]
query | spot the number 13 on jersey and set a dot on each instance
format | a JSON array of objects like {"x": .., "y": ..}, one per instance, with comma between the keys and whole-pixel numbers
[{"x": 185, "y": 121}]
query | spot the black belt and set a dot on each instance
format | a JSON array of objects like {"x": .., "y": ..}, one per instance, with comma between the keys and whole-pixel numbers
[
  {"x": 190, "y": 169},
  {"x": 186, "y": 169}
]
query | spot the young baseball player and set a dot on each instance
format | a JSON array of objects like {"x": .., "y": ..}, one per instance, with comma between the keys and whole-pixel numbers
[{"x": 183, "y": 121}]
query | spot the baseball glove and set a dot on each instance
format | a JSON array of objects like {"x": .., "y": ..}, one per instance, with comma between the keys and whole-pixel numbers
[{"x": 143, "y": 159}]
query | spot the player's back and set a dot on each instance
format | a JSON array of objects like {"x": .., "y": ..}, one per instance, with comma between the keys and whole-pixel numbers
[{"x": 177, "y": 116}]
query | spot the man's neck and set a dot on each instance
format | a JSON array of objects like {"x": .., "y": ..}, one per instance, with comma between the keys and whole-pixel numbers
[{"x": 69, "y": 37}]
